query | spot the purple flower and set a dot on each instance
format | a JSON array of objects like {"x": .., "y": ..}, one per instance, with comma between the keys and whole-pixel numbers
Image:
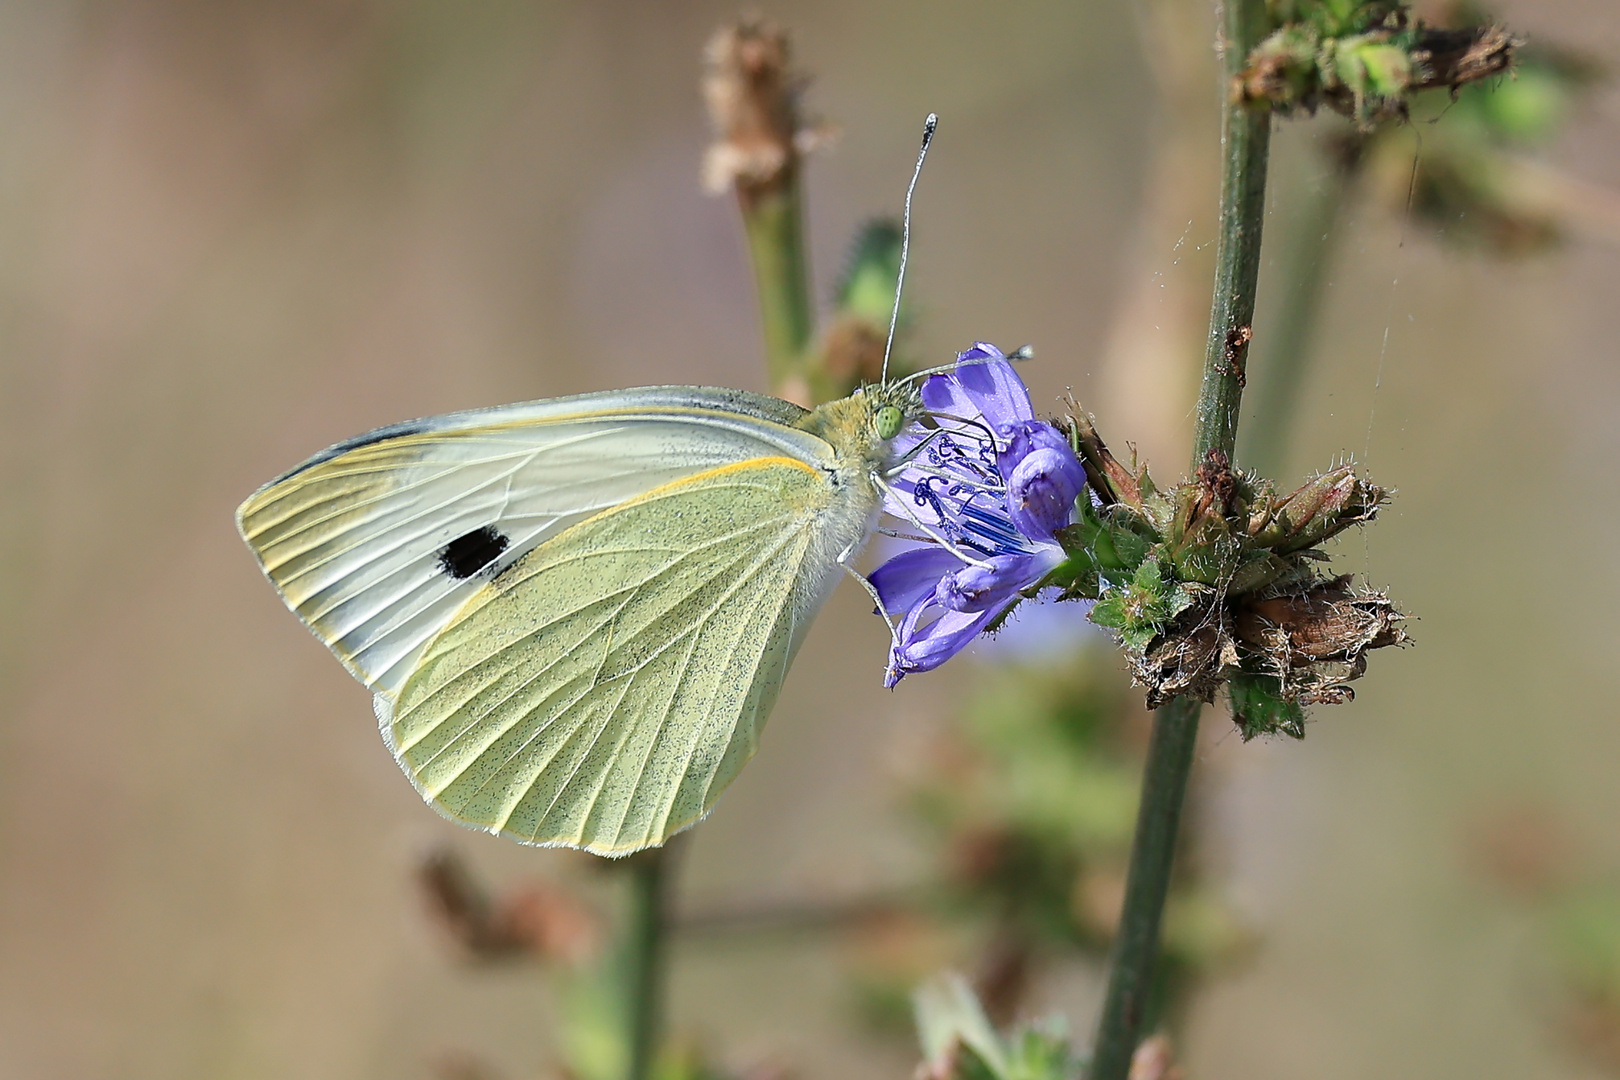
[{"x": 990, "y": 486}]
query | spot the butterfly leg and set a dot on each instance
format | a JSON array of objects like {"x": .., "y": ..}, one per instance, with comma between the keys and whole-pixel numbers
[{"x": 871, "y": 590}]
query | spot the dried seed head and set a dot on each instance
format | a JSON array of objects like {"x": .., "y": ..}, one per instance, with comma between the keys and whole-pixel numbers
[
  {"x": 1367, "y": 63},
  {"x": 753, "y": 98},
  {"x": 1193, "y": 657}
]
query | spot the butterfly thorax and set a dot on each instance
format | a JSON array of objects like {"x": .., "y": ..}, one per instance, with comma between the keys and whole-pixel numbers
[{"x": 854, "y": 426}]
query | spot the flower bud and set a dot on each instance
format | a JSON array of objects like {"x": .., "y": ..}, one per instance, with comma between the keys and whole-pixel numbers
[
  {"x": 1027, "y": 436},
  {"x": 1317, "y": 512},
  {"x": 1042, "y": 489},
  {"x": 976, "y": 588}
]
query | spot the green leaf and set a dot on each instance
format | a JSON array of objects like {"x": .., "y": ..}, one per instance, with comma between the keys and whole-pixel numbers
[
  {"x": 1259, "y": 707},
  {"x": 1034, "y": 1054},
  {"x": 1109, "y": 611},
  {"x": 958, "y": 1041}
]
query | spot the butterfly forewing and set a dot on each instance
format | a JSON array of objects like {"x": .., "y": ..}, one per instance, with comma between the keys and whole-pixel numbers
[
  {"x": 377, "y": 543},
  {"x": 605, "y": 688}
]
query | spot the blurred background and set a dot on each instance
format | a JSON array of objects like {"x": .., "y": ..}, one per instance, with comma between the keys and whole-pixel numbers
[{"x": 234, "y": 232}]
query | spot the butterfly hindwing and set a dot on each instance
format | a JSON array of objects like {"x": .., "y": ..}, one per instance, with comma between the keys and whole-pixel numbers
[
  {"x": 603, "y": 689},
  {"x": 378, "y": 542}
]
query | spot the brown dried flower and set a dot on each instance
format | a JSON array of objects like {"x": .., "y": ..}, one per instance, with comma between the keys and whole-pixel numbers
[{"x": 753, "y": 96}]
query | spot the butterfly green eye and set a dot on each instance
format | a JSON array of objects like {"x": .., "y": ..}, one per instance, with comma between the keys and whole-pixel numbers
[{"x": 889, "y": 422}]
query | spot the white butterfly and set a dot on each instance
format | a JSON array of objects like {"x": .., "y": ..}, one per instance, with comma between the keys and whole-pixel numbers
[{"x": 576, "y": 614}]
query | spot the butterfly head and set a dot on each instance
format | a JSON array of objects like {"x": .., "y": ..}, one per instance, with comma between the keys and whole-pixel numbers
[
  {"x": 891, "y": 406},
  {"x": 864, "y": 426}
]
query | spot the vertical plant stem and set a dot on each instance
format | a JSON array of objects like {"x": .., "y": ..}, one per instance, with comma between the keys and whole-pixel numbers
[
  {"x": 1287, "y": 355},
  {"x": 774, "y": 220},
  {"x": 1246, "y": 142},
  {"x": 1136, "y": 944},
  {"x": 1246, "y": 145},
  {"x": 643, "y": 959}
]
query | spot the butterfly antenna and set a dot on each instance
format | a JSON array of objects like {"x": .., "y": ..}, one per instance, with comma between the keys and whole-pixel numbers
[
  {"x": 905, "y": 238},
  {"x": 1018, "y": 355}
]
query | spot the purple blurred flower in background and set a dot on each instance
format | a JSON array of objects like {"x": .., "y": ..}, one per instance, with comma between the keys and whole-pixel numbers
[{"x": 991, "y": 485}]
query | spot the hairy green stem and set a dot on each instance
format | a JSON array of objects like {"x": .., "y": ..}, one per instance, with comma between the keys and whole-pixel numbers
[
  {"x": 1246, "y": 142},
  {"x": 643, "y": 959},
  {"x": 1287, "y": 356},
  {"x": 774, "y": 220}
]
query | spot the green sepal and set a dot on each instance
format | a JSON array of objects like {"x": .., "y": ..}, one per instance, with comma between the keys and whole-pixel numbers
[
  {"x": 1319, "y": 510},
  {"x": 1374, "y": 69},
  {"x": 1107, "y": 541},
  {"x": 1257, "y": 570},
  {"x": 1079, "y": 541},
  {"x": 1000, "y": 618},
  {"x": 1077, "y": 576},
  {"x": 1210, "y": 560},
  {"x": 1332, "y": 18},
  {"x": 1139, "y": 637}
]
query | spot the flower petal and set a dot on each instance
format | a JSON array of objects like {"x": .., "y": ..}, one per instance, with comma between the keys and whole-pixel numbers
[
  {"x": 926, "y": 648},
  {"x": 943, "y": 394},
  {"x": 902, "y": 502},
  {"x": 994, "y": 479},
  {"x": 912, "y": 576},
  {"x": 985, "y": 386},
  {"x": 990, "y": 381}
]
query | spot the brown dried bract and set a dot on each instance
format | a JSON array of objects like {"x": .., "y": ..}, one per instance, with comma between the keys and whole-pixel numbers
[
  {"x": 1193, "y": 658},
  {"x": 1316, "y": 640},
  {"x": 1327, "y": 622},
  {"x": 1106, "y": 476},
  {"x": 1218, "y": 484},
  {"x": 1266, "y": 78},
  {"x": 1454, "y": 57}
]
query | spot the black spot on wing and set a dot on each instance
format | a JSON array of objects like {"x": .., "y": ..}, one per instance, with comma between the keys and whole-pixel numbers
[{"x": 466, "y": 555}]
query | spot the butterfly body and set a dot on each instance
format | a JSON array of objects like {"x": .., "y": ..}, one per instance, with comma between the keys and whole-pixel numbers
[{"x": 575, "y": 614}]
